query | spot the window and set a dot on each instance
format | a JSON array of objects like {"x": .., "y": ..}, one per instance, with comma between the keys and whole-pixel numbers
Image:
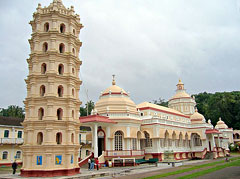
[
  {"x": 40, "y": 138},
  {"x": 18, "y": 155},
  {"x": 5, "y": 155},
  {"x": 72, "y": 113},
  {"x": 87, "y": 152},
  {"x": 180, "y": 140},
  {"x": 73, "y": 51},
  {"x": 59, "y": 138},
  {"x": 73, "y": 71},
  {"x": 72, "y": 138},
  {"x": 43, "y": 68},
  {"x": 42, "y": 90},
  {"x": 73, "y": 92},
  {"x": 40, "y": 113},
  {"x": 60, "y": 69},
  {"x": 118, "y": 137},
  {"x": 46, "y": 27},
  {"x": 80, "y": 138},
  {"x": 60, "y": 91},
  {"x": 148, "y": 141},
  {"x": 134, "y": 144},
  {"x": 62, "y": 28},
  {"x": 45, "y": 47},
  {"x": 59, "y": 114},
  {"x": 74, "y": 32},
  {"x": 197, "y": 140},
  {"x": 19, "y": 134},
  {"x": 61, "y": 48},
  {"x": 6, "y": 133}
]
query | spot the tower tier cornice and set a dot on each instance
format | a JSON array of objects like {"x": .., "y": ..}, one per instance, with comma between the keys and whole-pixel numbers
[{"x": 52, "y": 100}]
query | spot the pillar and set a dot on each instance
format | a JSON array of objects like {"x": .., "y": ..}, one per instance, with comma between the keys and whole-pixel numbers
[{"x": 95, "y": 142}]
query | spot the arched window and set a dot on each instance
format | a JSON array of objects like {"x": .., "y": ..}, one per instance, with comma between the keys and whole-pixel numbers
[
  {"x": 72, "y": 138},
  {"x": 46, "y": 27},
  {"x": 60, "y": 69},
  {"x": 118, "y": 138},
  {"x": 197, "y": 140},
  {"x": 62, "y": 28},
  {"x": 148, "y": 141},
  {"x": 185, "y": 142},
  {"x": 166, "y": 139},
  {"x": 5, "y": 155},
  {"x": 72, "y": 113},
  {"x": 73, "y": 71},
  {"x": 42, "y": 90},
  {"x": 43, "y": 68},
  {"x": 45, "y": 47},
  {"x": 61, "y": 48},
  {"x": 60, "y": 91},
  {"x": 174, "y": 139},
  {"x": 6, "y": 133},
  {"x": 40, "y": 138},
  {"x": 40, "y": 113},
  {"x": 72, "y": 92},
  {"x": 59, "y": 114},
  {"x": 59, "y": 138},
  {"x": 73, "y": 51},
  {"x": 180, "y": 140},
  {"x": 74, "y": 32},
  {"x": 18, "y": 155}
]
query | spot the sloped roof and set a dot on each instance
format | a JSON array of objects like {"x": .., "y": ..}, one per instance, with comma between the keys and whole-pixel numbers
[{"x": 10, "y": 121}]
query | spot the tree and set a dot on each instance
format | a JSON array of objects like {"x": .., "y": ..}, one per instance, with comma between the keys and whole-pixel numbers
[
  {"x": 85, "y": 111},
  {"x": 13, "y": 111},
  {"x": 161, "y": 102}
]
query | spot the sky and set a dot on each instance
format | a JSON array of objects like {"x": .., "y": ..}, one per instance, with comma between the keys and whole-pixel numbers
[{"x": 148, "y": 45}]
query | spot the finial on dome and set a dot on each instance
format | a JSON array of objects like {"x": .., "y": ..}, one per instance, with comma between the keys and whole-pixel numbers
[
  {"x": 196, "y": 110},
  {"x": 113, "y": 80},
  {"x": 220, "y": 119},
  {"x": 180, "y": 80}
]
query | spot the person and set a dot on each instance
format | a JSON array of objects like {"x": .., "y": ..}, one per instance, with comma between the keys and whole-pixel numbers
[
  {"x": 92, "y": 164},
  {"x": 97, "y": 163},
  {"x": 89, "y": 164},
  {"x": 14, "y": 166}
]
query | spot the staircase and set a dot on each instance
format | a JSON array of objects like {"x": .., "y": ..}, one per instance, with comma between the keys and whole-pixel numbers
[{"x": 209, "y": 155}]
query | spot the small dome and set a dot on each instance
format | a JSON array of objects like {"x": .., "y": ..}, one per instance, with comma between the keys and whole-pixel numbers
[
  {"x": 181, "y": 94},
  {"x": 114, "y": 102},
  {"x": 197, "y": 118},
  {"x": 221, "y": 124}
]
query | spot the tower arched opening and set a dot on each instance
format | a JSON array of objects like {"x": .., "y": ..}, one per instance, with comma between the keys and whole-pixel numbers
[
  {"x": 40, "y": 113},
  {"x": 59, "y": 114},
  {"x": 42, "y": 90},
  {"x": 43, "y": 68},
  {"x": 60, "y": 91},
  {"x": 45, "y": 47},
  {"x": 46, "y": 27},
  {"x": 61, "y": 48},
  {"x": 40, "y": 138},
  {"x": 62, "y": 28},
  {"x": 59, "y": 138}
]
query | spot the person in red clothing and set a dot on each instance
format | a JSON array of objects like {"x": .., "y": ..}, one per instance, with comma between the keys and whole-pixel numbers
[{"x": 97, "y": 163}]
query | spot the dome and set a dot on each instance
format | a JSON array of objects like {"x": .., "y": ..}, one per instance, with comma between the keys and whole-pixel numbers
[
  {"x": 221, "y": 124},
  {"x": 181, "y": 94},
  {"x": 197, "y": 118},
  {"x": 116, "y": 103}
]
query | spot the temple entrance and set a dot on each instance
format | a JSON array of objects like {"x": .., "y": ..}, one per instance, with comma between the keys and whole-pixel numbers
[
  {"x": 210, "y": 146},
  {"x": 101, "y": 142}
]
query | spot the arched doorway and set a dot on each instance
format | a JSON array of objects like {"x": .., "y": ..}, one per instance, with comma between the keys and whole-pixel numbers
[{"x": 101, "y": 141}]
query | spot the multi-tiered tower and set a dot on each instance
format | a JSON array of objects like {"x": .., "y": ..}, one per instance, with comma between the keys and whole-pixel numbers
[{"x": 51, "y": 124}]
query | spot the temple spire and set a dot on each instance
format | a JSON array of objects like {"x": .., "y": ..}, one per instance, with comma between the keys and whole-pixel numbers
[{"x": 113, "y": 80}]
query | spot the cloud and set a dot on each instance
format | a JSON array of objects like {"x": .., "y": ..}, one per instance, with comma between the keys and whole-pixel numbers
[{"x": 147, "y": 44}]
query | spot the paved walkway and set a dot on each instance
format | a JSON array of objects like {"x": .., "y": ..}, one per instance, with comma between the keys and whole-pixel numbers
[{"x": 140, "y": 171}]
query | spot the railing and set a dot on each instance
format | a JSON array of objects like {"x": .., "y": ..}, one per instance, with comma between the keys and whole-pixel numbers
[
  {"x": 11, "y": 140},
  {"x": 124, "y": 153}
]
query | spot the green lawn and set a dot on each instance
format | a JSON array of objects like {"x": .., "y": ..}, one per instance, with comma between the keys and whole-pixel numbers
[{"x": 193, "y": 168}]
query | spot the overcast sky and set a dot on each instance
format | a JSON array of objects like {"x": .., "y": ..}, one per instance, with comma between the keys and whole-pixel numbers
[{"x": 148, "y": 45}]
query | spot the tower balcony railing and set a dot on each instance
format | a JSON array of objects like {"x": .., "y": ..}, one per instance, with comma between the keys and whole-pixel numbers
[
  {"x": 11, "y": 140},
  {"x": 124, "y": 153}
]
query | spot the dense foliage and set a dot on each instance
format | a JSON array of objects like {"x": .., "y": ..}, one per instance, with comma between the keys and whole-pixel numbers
[
  {"x": 13, "y": 111},
  {"x": 225, "y": 105},
  {"x": 86, "y": 110}
]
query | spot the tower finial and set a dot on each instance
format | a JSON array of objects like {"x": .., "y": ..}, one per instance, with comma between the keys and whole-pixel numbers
[{"x": 113, "y": 80}]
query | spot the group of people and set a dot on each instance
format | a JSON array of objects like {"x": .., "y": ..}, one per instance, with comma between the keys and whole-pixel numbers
[{"x": 92, "y": 163}]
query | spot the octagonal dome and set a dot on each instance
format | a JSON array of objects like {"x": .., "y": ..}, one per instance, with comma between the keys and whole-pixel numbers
[{"x": 221, "y": 124}]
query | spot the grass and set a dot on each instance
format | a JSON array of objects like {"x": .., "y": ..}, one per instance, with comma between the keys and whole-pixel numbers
[
  {"x": 190, "y": 169},
  {"x": 210, "y": 170}
]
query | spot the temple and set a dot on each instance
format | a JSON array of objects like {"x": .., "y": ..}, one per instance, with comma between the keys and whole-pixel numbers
[{"x": 125, "y": 133}]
